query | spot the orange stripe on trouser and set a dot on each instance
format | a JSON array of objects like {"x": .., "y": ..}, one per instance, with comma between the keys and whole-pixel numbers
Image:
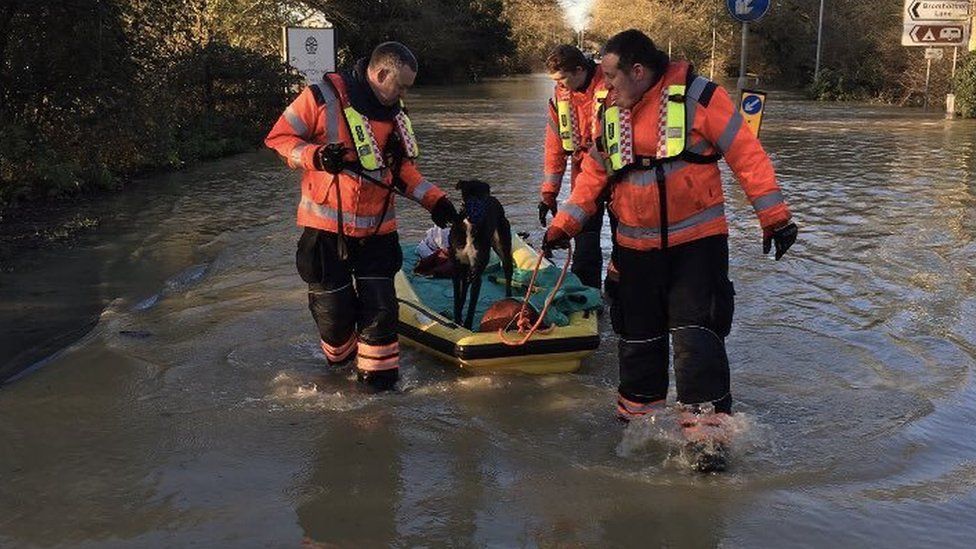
[
  {"x": 341, "y": 352},
  {"x": 628, "y": 409},
  {"x": 704, "y": 426},
  {"x": 375, "y": 358}
]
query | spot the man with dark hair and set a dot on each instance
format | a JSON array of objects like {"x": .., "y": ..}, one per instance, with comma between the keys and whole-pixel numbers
[
  {"x": 392, "y": 55},
  {"x": 351, "y": 136},
  {"x": 662, "y": 133},
  {"x": 577, "y": 95}
]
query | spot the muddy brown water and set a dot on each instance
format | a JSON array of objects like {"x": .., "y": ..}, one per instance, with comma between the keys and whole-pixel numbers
[{"x": 177, "y": 395}]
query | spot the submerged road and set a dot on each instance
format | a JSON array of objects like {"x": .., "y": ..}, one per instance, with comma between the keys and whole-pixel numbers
[{"x": 194, "y": 408}]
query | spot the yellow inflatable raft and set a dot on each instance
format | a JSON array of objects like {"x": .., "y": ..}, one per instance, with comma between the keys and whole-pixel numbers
[{"x": 560, "y": 350}]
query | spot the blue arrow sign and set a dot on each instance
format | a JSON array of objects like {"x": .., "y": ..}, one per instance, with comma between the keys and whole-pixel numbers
[
  {"x": 752, "y": 104},
  {"x": 747, "y": 11}
]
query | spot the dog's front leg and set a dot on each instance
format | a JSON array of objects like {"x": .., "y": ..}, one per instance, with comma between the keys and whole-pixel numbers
[
  {"x": 475, "y": 291},
  {"x": 460, "y": 290}
]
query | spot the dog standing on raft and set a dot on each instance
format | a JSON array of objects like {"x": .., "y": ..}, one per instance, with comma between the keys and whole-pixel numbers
[{"x": 481, "y": 227}]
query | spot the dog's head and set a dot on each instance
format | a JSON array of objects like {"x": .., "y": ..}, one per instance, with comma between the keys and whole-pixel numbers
[
  {"x": 473, "y": 199},
  {"x": 473, "y": 188}
]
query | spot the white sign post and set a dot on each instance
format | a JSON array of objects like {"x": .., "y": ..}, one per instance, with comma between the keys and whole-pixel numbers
[
  {"x": 933, "y": 23},
  {"x": 310, "y": 51}
]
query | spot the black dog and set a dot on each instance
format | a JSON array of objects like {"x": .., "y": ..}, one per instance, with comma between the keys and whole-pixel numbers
[{"x": 481, "y": 226}]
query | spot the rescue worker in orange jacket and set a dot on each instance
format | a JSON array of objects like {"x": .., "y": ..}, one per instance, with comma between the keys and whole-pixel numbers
[
  {"x": 662, "y": 132},
  {"x": 578, "y": 92},
  {"x": 351, "y": 136}
]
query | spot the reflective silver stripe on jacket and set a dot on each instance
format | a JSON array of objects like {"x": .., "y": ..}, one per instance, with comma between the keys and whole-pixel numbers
[
  {"x": 575, "y": 212},
  {"x": 553, "y": 126},
  {"x": 691, "y": 99},
  {"x": 296, "y": 123},
  {"x": 704, "y": 216},
  {"x": 379, "y": 174},
  {"x": 553, "y": 178},
  {"x": 729, "y": 133},
  {"x": 421, "y": 189},
  {"x": 697, "y": 87},
  {"x": 348, "y": 218},
  {"x": 595, "y": 154},
  {"x": 768, "y": 201},
  {"x": 296, "y": 153},
  {"x": 332, "y": 111},
  {"x": 642, "y": 177}
]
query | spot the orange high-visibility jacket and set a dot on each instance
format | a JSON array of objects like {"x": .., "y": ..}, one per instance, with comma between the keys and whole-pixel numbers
[
  {"x": 687, "y": 189},
  {"x": 315, "y": 118},
  {"x": 583, "y": 109}
]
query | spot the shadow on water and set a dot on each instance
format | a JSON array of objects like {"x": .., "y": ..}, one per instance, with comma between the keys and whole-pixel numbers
[{"x": 188, "y": 402}]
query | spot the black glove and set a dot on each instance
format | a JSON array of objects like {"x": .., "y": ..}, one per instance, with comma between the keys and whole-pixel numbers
[
  {"x": 330, "y": 158},
  {"x": 443, "y": 213},
  {"x": 554, "y": 238},
  {"x": 546, "y": 205},
  {"x": 784, "y": 237}
]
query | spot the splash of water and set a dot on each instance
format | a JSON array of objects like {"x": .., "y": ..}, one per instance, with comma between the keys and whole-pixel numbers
[
  {"x": 663, "y": 431},
  {"x": 291, "y": 391}
]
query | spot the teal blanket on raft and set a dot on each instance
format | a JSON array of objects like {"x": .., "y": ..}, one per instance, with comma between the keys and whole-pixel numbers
[{"x": 438, "y": 293}]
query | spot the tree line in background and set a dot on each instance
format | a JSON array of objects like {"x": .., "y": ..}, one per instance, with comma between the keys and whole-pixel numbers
[
  {"x": 95, "y": 91},
  {"x": 862, "y": 56}
]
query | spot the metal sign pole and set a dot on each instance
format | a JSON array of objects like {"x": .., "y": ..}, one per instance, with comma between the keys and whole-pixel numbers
[
  {"x": 711, "y": 69},
  {"x": 742, "y": 60},
  {"x": 951, "y": 96},
  {"x": 816, "y": 67},
  {"x": 928, "y": 73}
]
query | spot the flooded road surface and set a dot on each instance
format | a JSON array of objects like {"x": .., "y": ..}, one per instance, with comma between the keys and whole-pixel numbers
[{"x": 196, "y": 409}]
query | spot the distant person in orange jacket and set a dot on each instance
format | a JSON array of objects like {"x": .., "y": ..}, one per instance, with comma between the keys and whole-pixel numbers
[
  {"x": 662, "y": 132},
  {"x": 577, "y": 95},
  {"x": 350, "y": 135}
]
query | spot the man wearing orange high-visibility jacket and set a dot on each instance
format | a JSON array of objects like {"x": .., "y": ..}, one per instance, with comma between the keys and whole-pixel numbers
[
  {"x": 578, "y": 93},
  {"x": 351, "y": 136},
  {"x": 662, "y": 131}
]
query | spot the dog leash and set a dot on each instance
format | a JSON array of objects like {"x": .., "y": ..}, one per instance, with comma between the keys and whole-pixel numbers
[{"x": 521, "y": 318}]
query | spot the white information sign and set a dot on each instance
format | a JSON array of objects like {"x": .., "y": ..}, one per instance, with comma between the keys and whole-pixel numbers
[
  {"x": 936, "y": 23},
  {"x": 935, "y": 54},
  {"x": 922, "y": 10},
  {"x": 311, "y": 51}
]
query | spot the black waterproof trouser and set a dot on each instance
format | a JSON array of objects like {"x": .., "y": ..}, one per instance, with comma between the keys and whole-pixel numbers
[
  {"x": 683, "y": 292},
  {"x": 587, "y": 253},
  {"x": 353, "y": 300}
]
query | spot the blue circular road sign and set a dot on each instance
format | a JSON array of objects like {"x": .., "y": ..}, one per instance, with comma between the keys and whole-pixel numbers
[
  {"x": 747, "y": 11},
  {"x": 752, "y": 104}
]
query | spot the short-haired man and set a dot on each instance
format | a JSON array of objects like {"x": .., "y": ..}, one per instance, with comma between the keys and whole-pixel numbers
[
  {"x": 663, "y": 130},
  {"x": 351, "y": 136},
  {"x": 578, "y": 93}
]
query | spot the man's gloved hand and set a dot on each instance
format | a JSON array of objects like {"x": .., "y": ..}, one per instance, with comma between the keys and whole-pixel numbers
[
  {"x": 546, "y": 205},
  {"x": 784, "y": 237},
  {"x": 555, "y": 238},
  {"x": 443, "y": 213},
  {"x": 329, "y": 158}
]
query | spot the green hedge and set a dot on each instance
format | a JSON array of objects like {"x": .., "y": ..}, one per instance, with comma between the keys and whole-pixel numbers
[
  {"x": 966, "y": 87},
  {"x": 90, "y": 97}
]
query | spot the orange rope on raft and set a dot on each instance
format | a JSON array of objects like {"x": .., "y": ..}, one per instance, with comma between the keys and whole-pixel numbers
[{"x": 522, "y": 319}]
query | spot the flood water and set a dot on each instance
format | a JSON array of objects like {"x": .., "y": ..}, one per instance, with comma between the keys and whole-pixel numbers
[{"x": 195, "y": 408}]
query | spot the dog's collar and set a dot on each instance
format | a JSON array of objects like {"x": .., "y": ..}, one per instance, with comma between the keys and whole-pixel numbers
[{"x": 474, "y": 209}]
